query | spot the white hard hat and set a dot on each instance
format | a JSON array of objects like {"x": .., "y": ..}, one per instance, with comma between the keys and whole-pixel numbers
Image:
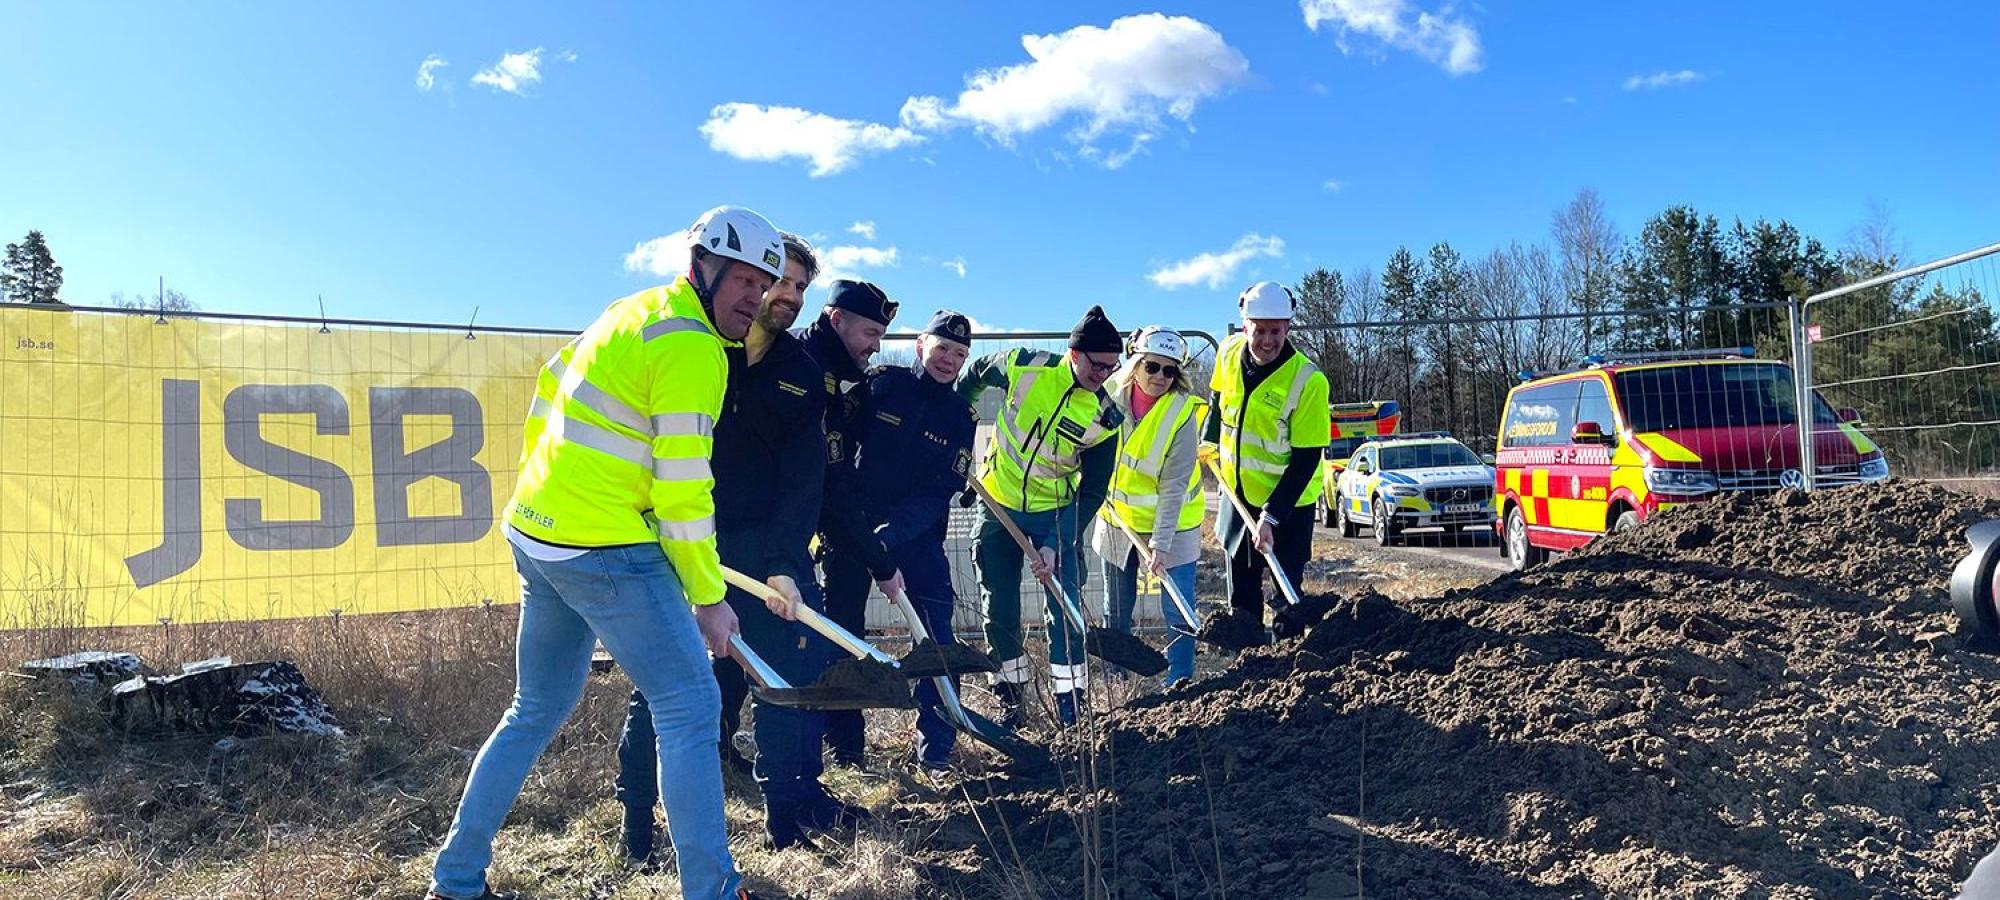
[
  {"x": 742, "y": 235},
  {"x": 1160, "y": 341},
  {"x": 1266, "y": 300}
]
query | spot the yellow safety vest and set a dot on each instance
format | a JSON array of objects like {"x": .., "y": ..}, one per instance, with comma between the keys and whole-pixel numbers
[
  {"x": 1134, "y": 498},
  {"x": 1046, "y": 422},
  {"x": 1288, "y": 410},
  {"x": 618, "y": 439}
]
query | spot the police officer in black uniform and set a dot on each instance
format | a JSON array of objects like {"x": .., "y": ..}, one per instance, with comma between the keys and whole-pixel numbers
[
  {"x": 846, "y": 335},
  {"x": 912, "y": 443}
]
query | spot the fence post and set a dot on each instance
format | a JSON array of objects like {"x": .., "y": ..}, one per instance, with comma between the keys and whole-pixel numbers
[{"x": 1802, "y": 381}]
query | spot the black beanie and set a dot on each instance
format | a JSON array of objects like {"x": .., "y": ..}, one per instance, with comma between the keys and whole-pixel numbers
[{"x": 1096, "y": 334}]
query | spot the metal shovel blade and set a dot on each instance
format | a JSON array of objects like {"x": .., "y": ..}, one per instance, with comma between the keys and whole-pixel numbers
[
  {"x": 1298, "y": 618},
  {"x": 847, "y": 685},
  {"x": 1234, "y": 631},
  {"x": 1124, "y": 650},
  {"x": 1025, "y": 756},
  {"x": 930, "y": 659}
]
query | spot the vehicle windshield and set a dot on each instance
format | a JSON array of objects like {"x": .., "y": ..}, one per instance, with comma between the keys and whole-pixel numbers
[
  {"x": 1343, "y": 448},
  {"x": 1427, "y": 456},
  {"x": 1711, "y": 396}
]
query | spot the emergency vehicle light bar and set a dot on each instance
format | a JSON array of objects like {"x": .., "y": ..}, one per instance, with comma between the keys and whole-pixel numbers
[
  {"x": 1640, "y": 356},
  {"x": 1414, "y": 436},
  {"x": 1617, "y": 357}
]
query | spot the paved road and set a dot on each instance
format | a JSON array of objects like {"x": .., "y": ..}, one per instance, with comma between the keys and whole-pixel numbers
[{"x": 1480, "y": 549}]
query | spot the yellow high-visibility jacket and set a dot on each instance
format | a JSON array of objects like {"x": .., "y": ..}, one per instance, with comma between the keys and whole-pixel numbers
[
  {"x": 617, "y": 443},
  {"x": 1259, "y": 431}
]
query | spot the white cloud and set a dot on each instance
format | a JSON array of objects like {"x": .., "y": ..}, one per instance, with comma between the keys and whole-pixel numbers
[
  {"x": 1659, "y": 80},
  {"x": 513, "y": 72},
  {"x": 1215, "y": 269},
  {"x": 865, "y": 229},
  {"x": 756, "y": 133},
  {"x": 1439, "y": 37},
  {"x": 956, "y": 265},
  {"x": 984, "y": 328},
  {"x": 425, "y": 77},
  {"x": 665, "y": 255},
  {"x": 847, "y": 261},
  {"x": 1129, "y": 76},
  {"x": 1332, "y": 186},
  {"x": 568, "y": 56}
]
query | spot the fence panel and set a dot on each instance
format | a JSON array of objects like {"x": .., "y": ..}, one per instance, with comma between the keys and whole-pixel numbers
[
  {"x": 1915, "y": 354},
  {"x": 182, "y": 468},
  {"x": 192, "y": 467}
]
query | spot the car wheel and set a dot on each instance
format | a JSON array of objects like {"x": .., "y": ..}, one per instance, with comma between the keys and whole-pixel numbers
[
  {"x": 1627, "y": 521},
  {"x": 1385, "y": 527},
  {"x": 1347, "y": 527},
  {"x": 1520, "y": 553},
  {"x": 1327, "y": 514}
]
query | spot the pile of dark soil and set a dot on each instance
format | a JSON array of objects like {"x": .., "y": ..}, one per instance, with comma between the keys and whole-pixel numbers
[{"x": 1756, "y": 697}]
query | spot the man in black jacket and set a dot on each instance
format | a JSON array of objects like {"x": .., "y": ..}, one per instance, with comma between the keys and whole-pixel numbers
[
  {"x": 912, "y": 444},
  {"x": 847, "y": 334}
]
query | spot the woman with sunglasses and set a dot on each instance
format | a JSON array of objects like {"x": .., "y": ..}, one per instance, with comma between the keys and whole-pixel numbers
[{"x": 1156, "y": 489}]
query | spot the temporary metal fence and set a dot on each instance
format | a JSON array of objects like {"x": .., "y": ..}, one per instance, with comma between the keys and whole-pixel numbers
[
  {"x": 81, "y": 403},
  {"x": 1915, "y": 353}
]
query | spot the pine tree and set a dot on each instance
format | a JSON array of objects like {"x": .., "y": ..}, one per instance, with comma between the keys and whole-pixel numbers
[
  {"x": 1401, "y": 299},
  {"x": 30, "y": 273}
]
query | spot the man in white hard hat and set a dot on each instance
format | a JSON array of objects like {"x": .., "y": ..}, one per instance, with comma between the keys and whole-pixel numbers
[
  {"x": 1271, "y": 424},
  {"x": 612, "y": 525}
]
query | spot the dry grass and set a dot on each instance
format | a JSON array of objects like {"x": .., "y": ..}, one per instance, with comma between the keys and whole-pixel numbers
[{"x": 87, "y": 810}]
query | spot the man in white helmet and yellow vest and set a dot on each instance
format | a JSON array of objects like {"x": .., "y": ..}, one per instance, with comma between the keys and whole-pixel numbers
[
  {"x": 1271, "y": 424},
  {"x": 1051, "y": 459},
  {"x": 613, "y": 531}
]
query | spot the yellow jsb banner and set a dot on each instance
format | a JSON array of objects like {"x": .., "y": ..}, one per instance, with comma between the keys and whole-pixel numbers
[{"x": 199, "y": 470}]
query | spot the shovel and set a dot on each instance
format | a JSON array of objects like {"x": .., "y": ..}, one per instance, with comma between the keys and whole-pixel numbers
[
  {"x": 928, "y": 659},
  {"x": 833, "y": 691},
  {"x": 1184, "y": 604},
  {"x": 1115, "y": 647},
  {"x": 1298, "y": 614},
  {"x": 969, "y": 723}
]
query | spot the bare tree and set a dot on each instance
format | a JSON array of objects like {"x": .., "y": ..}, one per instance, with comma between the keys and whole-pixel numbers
[{"x": 1588, "y": 243}]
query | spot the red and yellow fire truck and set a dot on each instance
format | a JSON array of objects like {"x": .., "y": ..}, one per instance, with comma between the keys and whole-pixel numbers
[{"x": 1604, "y": 447}]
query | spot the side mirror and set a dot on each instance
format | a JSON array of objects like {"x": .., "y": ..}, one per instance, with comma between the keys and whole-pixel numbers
[
  {"x": 1848, "y": 414},
  {"x": 1363, "y": 468},
  {"x": 1588, "y": 433},
  {"x": 1487, "y": 458}
]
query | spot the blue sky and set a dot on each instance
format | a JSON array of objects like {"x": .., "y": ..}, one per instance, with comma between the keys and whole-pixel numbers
[{"x": 258, "y": 157}]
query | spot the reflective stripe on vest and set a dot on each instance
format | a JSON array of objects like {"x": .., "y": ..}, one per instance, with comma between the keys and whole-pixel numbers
[
  {"x": 1045, "y": 424},
  {"x": 1134, "y": 497},
  {"x": 1257, "y": 451}
]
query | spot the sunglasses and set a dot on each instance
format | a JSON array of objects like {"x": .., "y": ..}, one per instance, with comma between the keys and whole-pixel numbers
[{"x": 1155, "y": 368}]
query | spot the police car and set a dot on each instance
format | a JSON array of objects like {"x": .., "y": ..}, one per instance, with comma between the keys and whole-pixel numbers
[{"x": 1413, "y": 481}]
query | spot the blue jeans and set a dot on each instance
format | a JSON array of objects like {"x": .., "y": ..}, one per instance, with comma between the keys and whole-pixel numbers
[
  {"x": 1121, "y": 594},
  {"x": 788, "y": 764},
  {"x": 631, "y": 599}
]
